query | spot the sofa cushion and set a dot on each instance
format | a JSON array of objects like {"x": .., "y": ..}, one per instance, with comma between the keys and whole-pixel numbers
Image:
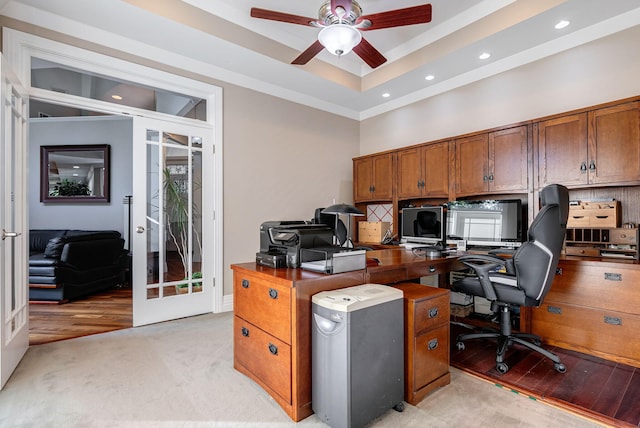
[
  {"x": 39, "y": 238},
  {"x": 54, "y": 247}
]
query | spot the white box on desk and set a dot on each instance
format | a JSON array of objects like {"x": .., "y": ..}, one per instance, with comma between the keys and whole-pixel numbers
[
  {"x": 481, "y": 305},
  {"x": 460, "y": 298}
]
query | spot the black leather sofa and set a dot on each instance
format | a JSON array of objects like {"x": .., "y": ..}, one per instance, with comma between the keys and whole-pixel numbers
[{"x": 67, "y": 264}]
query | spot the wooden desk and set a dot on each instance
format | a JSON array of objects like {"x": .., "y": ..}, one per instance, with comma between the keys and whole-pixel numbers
[{"x": 272, "y": 323}]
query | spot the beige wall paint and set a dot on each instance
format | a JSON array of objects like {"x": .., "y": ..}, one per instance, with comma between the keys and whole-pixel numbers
[
  {"x": 282, "y": 160},
  {"x": 601, "y": 71}
]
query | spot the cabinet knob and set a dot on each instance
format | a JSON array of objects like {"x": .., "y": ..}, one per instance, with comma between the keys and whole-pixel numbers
[
  {"x": 273, "y": 293},
  {"x": 583, "y": 167},
  {"x": 245, "y": 283},
  {"x": 490, "y": 177},
  {"x": 433, "y": 312},
  {"x": 273, "y": 349},
  {"x": 592, "y": 165},
  {"x": 245, "y": 331},
  {"x": 433, "y": 344}
]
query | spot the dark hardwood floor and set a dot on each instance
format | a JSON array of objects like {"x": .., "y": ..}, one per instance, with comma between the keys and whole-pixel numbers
[
  {"x": 593, "y": 387},
  {"x": 99, "y": 313}
]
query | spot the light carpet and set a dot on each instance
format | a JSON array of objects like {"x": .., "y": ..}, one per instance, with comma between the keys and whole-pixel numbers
[{"x": 180, "y": 374}]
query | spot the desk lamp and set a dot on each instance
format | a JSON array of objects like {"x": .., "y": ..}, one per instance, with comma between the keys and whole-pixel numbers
[{"x": 349, "y": 211}]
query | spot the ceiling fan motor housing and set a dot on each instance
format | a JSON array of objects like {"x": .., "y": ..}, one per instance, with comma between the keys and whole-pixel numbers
[{"x": 327, "y": 17}]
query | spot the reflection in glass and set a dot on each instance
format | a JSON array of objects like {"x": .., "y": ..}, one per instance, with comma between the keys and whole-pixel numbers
[
  {"x": 57, "y": 77},
  {"x": 153, "y": 216}
]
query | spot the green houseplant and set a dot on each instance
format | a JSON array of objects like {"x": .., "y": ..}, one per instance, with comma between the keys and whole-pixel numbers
[
  {"x": 176, "y": 210},
  {"x": 68, "y": 187}
]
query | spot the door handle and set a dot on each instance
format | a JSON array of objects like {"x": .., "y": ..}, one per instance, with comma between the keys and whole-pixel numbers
[
  {"x": 6, "y": 234},
  {"x": 140, "y": 229}
]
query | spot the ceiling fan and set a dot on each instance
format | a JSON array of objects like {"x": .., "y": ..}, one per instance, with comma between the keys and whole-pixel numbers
[{"x": 341, "y": 22}]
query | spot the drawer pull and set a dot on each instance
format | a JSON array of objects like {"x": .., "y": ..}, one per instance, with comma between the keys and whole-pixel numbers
[
  {"x": 245, "y": 283},
  {"x": 612, "y": 320},
  {"x": 273, "y": 349},
  {"x": 554, "y": 310},
  {"x": 433, "y": 344},
  {"x": 433, "y": 312},
  {"x": 432, "y": 269},
  {"x": 559, "y": 271},
  {"x": 273, "y": 293},
  {"x": 608, "y": 276},
  {"x": 245, "y": 331}
]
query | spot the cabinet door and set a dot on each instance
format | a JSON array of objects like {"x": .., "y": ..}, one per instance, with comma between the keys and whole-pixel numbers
[
  {"x": 614, "y": 144},
  {"x": 508, "y": 160},
  {"x": 436, "y": 170},
  {"x": 382, "y": 177},
  {"x": 363, "y": 173},
  {"x": 562, "y": 150},
  {"x": 471, "y": 165},
  {"x": 410, "y": 173}
]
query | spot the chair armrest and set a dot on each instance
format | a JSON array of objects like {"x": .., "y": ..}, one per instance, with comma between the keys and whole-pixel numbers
[{"x": 481, "y": 265}]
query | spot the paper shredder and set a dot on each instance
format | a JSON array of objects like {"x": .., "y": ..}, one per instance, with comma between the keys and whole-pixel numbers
[{"x": 357, "y": 363}]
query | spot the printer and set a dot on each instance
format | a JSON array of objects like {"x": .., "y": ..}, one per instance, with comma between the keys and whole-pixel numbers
[{"x": 281, "y": 241}]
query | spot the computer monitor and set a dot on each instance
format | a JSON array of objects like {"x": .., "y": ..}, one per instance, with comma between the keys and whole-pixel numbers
[
  {"x": 494, "y": 223},
  {"x": 423, "y": 225}
]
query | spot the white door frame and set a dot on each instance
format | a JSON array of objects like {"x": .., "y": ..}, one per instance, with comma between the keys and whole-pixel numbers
[
  {"x": 20, "y": 47},
  {"x": 14, "y": 246}
]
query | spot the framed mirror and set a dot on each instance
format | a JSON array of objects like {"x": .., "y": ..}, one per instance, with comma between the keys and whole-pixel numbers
[{"x": 74, "y": 173}]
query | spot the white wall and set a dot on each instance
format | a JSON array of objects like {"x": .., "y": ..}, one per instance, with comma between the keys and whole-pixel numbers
[
  {"x": 115, "y": 131},
  {"x": 601, "y": 71}
]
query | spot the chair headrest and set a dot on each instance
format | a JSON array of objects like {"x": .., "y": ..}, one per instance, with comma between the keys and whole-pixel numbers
[{"x": 556, "y": 194}]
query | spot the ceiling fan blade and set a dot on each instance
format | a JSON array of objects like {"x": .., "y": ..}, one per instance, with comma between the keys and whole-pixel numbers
[
  {"x": 345, "y": 4},
  {"x": 308, "y": 54},
  {"x": 396, "y": 18},
  {"x": 272, "y": 15},
  {"x": 369, "y": 54}
]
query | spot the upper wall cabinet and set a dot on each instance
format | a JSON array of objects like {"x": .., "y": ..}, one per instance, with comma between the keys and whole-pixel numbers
[
  {"x": 495, "y": 162},
  {"x": 373, "y": 178},
  {"x": 423, "y": 172},
  {"x": 601, "y": 147}
]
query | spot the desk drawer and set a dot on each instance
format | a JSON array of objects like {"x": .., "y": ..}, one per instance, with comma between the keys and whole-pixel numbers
[
  {"x": 264, "y": 356},
  {"x": 431, "y": 312},
  {"x": 431, "y": 356},
  {"x": 615, "y": 288},
  {"x": 588, "y": 329},
  {"x": 263, "y": 303}
]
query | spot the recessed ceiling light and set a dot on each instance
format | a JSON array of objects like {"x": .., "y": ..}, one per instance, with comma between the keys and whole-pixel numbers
[
  {"x": 116, "y": 97},
  {"x": 75, "y": 175},
  {"x": 430, "y": 77},
  {"x": 386, "y": 95},
  {"x": 76, "y": 167},
  {"x": 562, "y": 24},
  {"x": 484, "y": 55}
]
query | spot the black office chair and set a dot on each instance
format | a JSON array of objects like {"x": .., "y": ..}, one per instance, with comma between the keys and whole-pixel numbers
[{"x": 524, "y": 280}]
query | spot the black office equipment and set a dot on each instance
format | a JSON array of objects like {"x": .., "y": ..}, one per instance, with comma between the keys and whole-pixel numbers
[
  {"x": 423, "y": 225},
  {"x": 491, "y": 223},
  {"x": 522, "y": 280}
]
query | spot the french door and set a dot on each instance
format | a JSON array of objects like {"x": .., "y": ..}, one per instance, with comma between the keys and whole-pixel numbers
[
  {"x": 172, "y": 220},
  {"x": 14, "y": 308}
]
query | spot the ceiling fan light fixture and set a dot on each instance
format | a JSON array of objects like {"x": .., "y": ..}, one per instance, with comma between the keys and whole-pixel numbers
[{"x": 339, "y": 39}]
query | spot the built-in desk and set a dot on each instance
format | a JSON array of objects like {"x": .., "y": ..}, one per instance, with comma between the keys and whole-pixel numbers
[
  {"x": 272, "y": 323},
  {"x": 593, "y": 307}
]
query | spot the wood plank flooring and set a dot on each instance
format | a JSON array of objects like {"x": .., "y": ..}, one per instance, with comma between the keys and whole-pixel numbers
[
  {"x": 599, "y": 389},
  {"x": 102, "y": 312}
]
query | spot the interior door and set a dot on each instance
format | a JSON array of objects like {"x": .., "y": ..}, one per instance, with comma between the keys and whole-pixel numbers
[
  {"x": 172, "y": 221},
  {"x": 14, "y": 307}
]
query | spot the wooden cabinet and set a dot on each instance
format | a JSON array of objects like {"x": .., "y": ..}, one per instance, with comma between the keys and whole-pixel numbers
[
  {"x": 495, "y": 162},
  {"x": 423, "y": 172},
  {"x": 272, "y": 329},
  {"x": 600, "y": 147},
  {"x": 373, "y": 178},
  {"x": 426, "y": 311},
  {"x": 593, "y": 307}
]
